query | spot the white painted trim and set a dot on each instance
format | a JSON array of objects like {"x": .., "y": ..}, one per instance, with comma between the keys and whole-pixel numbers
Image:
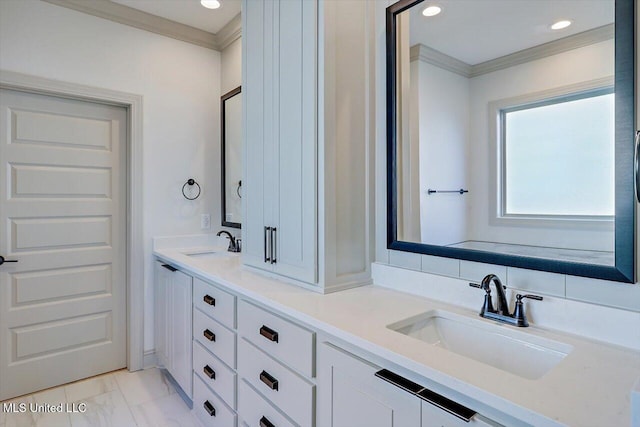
[
  {"x": 449, "y": 63},
  {"x": 135, "y": 246},
  {"x": 439, "y": 59},
  {"x": 145, "y": 21},
  {"x": 150, "y": 359},
  {"x": 229, "y": 33}
]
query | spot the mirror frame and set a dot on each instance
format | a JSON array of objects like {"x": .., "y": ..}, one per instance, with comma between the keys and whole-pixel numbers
[
  {"x": 625, "y": 201},
  {"x": 223, "y": 160}
]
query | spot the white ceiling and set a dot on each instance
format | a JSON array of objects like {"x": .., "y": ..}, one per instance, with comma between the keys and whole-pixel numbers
[
  {"x": 475, "y": 31},
  {"x": 189, "y": 12}
]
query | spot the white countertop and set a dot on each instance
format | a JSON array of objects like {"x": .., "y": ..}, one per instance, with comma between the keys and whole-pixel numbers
[{"x": 590, "y": 387}]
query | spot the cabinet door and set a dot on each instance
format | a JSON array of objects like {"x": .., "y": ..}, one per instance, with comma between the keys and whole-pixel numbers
[
  {"x": 295, "y": 111},
  {"x": 350, "y": 395},
  {"x": 161, "y": 331},
  {"x": 257, "y": 93},
  {"x": 280, "y": 102},
  {"x": 181, "y": 327}
]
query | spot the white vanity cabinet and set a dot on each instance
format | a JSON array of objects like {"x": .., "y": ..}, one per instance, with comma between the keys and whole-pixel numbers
[
  {"x": 173, "y": 290},
  {"x": 350, "y": 395},
  {"x": 276, "y": 366},
  {"x": 354, "y": 392},
  {"x": 305, "y": 140},
  {"x": 214, "y": 355}
]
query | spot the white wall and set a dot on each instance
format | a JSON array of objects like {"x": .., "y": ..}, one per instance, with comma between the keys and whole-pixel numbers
[
  {"x": 231, "y": 66},
  {"x": 567, "y": 68},
  {"x": 180, "y": 83},
  {"x": 443, "y": 125}
]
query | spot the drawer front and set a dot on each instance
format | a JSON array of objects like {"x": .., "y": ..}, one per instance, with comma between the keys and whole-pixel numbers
[
  {"x": 215, "y": 374},
  {"x": 285, "y": 389},
  {"x": 209, "y": 408},
  {"x": 215, "y": 302},
  {"x": 286, "y": 341},
  {"x": 255, "y": 411},
  {"x": 215, "y": 337}
]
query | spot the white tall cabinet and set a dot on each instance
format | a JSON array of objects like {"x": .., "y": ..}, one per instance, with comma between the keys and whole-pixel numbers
[{"x": 306, "y": 140}]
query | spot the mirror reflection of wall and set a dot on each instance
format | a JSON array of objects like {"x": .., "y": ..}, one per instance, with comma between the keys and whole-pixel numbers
[
  {"x": 494, "y": 101},
  {"x": 232, "y": 157}
]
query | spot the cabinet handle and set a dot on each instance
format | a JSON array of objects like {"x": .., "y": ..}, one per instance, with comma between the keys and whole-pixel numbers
[
  {"x": 170, "y": 268},
  {"x": 267, "y": 231},
  {"x": 274, "y": 247},
  {"x": 209, "y": 372},
  {"x": 209, "y": 408},
  {"x": 209, "y": 335},
  {"x": 269, "y": 333},
  {"x": 448, "y": 405},
  {"x": 636, "y": 166},
  {"x": 264, "y": 422},
  {"x": 271, "y": 382},
  {"x": 209, "y": 300}
]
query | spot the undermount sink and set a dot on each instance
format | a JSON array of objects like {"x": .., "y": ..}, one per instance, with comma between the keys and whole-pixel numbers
[
  {"x": 503, "y": 347},
  {"x": 209, "y": 254}
]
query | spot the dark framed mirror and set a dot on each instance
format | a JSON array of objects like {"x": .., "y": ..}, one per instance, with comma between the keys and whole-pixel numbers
[
  {"x": 231, "y": 142},
  {"x": 510, "y": 133}
]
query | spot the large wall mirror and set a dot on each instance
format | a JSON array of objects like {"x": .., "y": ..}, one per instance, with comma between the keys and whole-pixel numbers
[
  {"x": 510, "y": 130},
  {"x": 231, "y": 112}
]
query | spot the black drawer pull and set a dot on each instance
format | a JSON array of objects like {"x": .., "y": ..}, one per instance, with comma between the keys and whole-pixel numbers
[
  {"x": 209, "y": 300},
  {"x": 448, "y": 405},
  {"x": 269, "y": 333},
  {"x": 264, "y": 422},
  {"x": 209, "y": 408},
  {"x": 209, "y": 372},
  {"x": 209, "y": 335},
  {"x": 271, "y": 382},
  {"x": 170, "y": 268}
]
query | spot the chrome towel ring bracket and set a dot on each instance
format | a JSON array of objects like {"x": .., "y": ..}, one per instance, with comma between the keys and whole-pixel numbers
[{"x": 191, "y": 182}]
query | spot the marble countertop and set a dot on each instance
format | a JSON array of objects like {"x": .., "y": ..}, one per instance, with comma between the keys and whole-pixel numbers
[{"x": 591, "y": 386}]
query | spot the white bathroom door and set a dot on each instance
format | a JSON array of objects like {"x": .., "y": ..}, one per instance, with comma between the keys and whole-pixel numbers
[{"x": 62, "y": 217}]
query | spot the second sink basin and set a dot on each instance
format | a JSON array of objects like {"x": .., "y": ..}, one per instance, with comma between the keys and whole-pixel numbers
[{"x": 503, "y": 347}]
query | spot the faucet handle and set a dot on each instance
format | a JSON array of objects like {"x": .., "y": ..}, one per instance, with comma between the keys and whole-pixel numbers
[
  {"x": 475, "y": 285},
  {"x": 518, "y": 312}
]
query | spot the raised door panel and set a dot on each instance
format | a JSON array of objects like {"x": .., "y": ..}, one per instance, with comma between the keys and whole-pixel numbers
[
  {"x": 180, "y": 326},
  {"x": 350, "y": 395},
  {"x": 295, "y": 114}
]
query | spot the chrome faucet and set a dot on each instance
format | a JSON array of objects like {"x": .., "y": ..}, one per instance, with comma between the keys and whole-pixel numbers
[
  {"x": 234, "y": 244},
  {"x": 501, "y": 312}
]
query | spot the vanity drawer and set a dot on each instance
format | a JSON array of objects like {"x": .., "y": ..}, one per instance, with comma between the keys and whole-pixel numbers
[
  {"x": 280, "y": 338},
  {"x": 285, "y": 389},
  {"x": 215, "y": 374},
  {"x": 215, "y": 302},
  {"x": 254, "y": 409},
  {"x": 214, "y": 337},
  {"x": 209, "y": 408}
]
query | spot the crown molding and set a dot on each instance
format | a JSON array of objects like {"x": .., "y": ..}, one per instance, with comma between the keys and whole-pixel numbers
[
  {"x": 229, "y": 33},
  {"x": 439, "y": 59},
  {"x": 145, "y": 21},
  {"x": 449, "y": 63}
]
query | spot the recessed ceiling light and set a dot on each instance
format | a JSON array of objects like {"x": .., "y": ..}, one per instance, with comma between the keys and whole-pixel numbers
[
  {"x": 560, "y": 25},
  {"x": 431, "y": 10},
  {"x": 210, "y": 4}
]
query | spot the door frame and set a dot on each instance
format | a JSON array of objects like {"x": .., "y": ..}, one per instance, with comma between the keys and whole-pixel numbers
[{"x": 134, "y": 230}]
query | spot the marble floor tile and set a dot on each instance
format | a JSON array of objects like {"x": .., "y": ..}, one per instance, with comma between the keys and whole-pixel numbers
[
  {"x": 142, "y": 386},
  {"x": 164, "y": 412},
  {"x": 35, "y": 413},
  {"x": 104, "y": 410},
  {"x": 95, "y": 386}
]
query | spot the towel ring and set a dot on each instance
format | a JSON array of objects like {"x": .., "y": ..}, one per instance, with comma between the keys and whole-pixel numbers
[{"x": 190, "y": 182}]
